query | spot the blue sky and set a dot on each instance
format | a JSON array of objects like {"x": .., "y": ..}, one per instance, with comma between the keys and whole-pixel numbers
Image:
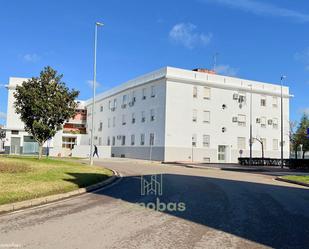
[{"x": 255, "y": 39}]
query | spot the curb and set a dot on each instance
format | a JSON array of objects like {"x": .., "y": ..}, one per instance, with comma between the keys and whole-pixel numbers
[
  {"x": 52, "y": 198},
  {"x": 292, "y": 181}
]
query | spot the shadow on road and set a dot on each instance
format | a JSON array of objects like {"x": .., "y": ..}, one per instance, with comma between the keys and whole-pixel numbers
[{"x": 275, "y": 216}]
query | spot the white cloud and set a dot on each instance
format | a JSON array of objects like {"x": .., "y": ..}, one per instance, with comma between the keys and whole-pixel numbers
[
  {"x": 186, "y": 35},
  {"x": 2, "y": 115},
  {"x": 303, "y": 57},
  {"x": 90, "y": 83},
  {"x": 262, "y": 8},
  {"x": 31, "y": 57},
  {"x": 226, "y": 70}
]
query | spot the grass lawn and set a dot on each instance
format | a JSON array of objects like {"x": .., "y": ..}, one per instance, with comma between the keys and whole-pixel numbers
[
  {"x": 304, "y": 179},
  {"x": 23, "y": 178}
]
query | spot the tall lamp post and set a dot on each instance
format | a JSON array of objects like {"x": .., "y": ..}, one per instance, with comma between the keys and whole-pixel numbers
[
  {"x": 97, "y": 24},
  {"x": 281, "y": 96},
  {"x": 250, "y": 142}
]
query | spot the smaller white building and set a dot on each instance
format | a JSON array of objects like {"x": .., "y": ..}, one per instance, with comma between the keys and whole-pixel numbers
[{"x": 18, "y": 141}]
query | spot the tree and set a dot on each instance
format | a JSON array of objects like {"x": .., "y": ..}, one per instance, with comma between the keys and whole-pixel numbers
[
  {"x": 44, "y": 104},
  {"x": 301, "y": 134},
  {"x": 292, "y": 137}
]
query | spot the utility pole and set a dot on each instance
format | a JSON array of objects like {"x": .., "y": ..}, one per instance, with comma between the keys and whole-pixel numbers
[
  {"x": 281, "y": 143},
  {"x": 215, "y": 58},
  {"x": 97, "y": 24}
]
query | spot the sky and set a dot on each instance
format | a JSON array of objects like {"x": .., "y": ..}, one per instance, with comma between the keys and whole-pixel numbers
[{"x": 253, "y": 39}]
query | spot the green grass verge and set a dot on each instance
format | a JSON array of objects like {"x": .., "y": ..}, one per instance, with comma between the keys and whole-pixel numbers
[
  {"x": 303, "y": 179},
  {"x": 24, "y": 178}
]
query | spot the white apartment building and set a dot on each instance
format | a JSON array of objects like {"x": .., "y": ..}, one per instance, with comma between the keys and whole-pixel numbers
[
  {"x": 180, "y": 115},
  {"x": 18, "y": 141}
]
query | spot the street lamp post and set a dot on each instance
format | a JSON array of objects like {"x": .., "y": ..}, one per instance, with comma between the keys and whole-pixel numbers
[
  {"x": 97, "y": 24},
  {"x": 250, "y": 142},
  {"x": 281, "y": 96}
]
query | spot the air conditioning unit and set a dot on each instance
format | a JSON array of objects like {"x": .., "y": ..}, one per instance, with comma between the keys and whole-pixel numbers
[
  {"x": 123, "y": 123},
  {"x": 234, "y": 119},
  {"x": 131, "y": 103},
  {"x": 270, "y": 122},
  {"x": 241, "y": 98},
  {"x": 235, "y": 96},
  {"x": 258, "y": 120}
]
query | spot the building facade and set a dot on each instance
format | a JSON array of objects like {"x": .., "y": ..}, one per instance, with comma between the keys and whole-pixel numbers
[
  {"x": 181, "y": 115},
  {"x": 18, "y": 141}
]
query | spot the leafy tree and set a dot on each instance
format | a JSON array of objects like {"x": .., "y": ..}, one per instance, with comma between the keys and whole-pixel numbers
[
  {"x": 44, "y": 104},
  {"x": 301, "y": 133},
  {"x": 292, "y": 137}
]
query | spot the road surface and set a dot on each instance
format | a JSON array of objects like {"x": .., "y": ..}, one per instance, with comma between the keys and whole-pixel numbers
[{"x": 221, "y": 209}]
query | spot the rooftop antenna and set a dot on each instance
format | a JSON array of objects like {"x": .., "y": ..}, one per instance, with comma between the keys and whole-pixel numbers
[{"x": 215, "y": 57}]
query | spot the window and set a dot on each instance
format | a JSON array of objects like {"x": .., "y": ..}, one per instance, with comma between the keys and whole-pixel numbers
[
  {"x": 133, "y": 118},
  {"x": 151, "y": 139},
  {"x": 263, "y": 101},
  {"x": 108, "y": 141},
  {"x": 206, "y": 140},
  {"x": 152, "y": 115},
  {"x": 123, "y": 140},
  {"x": 275, "y": 102},
  {"x": 206, "y": 93},
  {"x": 68, "y": 142},
  {"x": 132, "y": 139},
  {"x": 143, "y": 117},
  {"x": 100, "y": 141},
  {"x": 113, "y": 141},
  {"x": 275, "y": 123},
  {"x": 241, "y": 143},
  {"x": 144, "y": 93},
  {"x": 263, "y": 122},
  {"x": 101, "y": 108},
  {"x": 263, "y": 140},
  {"x": 241, "y": 120},
  {"x": 194, "y": 115},
  {"x": 114, "y": 121},
  {"x": 206, "y": 116},
  {"x": 275, "y": 144},
  {"x": 109, "y": 104},
  {"x": 194, "y": 92},
  {"x": 14, "y": 132},
  {"x": 133, "y": 97},
  {"x": 100, "y": 126},
  {"x": 108, "y": 122},
  {"x": 142, "y": 139},
  {"x": 194, "y": 138},
  {"x": 123, "y": 119},
  {"x": 124, "y": 101},
  {"x": 153, "y": 92}
]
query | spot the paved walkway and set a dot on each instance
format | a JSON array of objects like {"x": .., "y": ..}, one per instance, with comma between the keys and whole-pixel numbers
[{"x": 223, "y": 209}]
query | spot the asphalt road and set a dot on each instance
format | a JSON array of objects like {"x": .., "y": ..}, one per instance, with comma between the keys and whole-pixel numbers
[{"x": 219, "y": 209}]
